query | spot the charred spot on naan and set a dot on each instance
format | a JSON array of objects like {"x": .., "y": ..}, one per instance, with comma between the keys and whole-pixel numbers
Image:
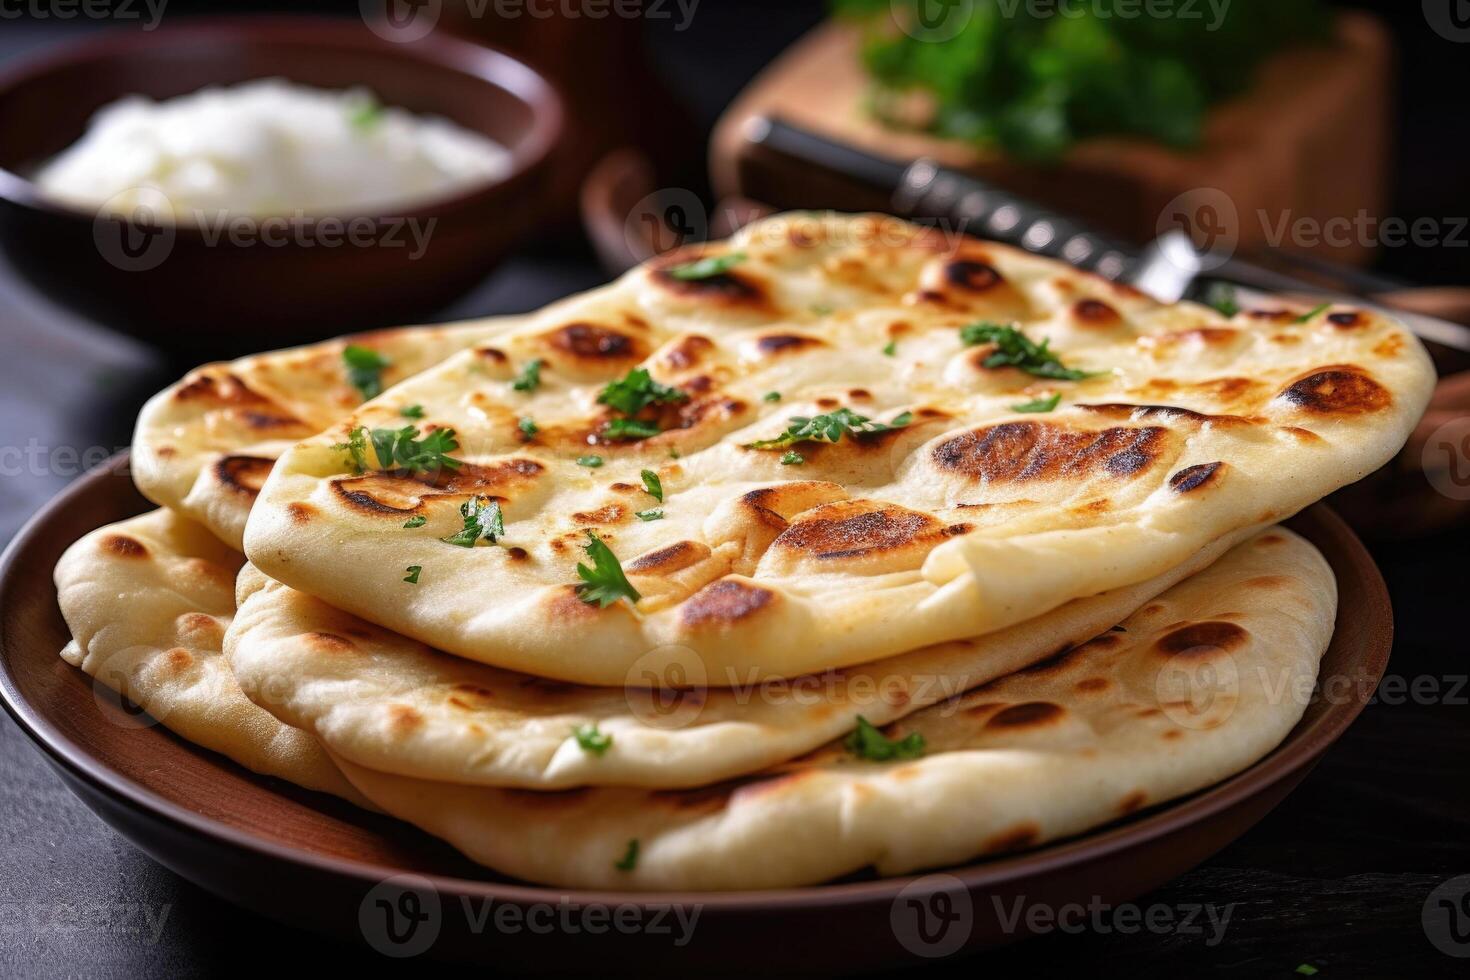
[
  {"x": 724, "y": 603},
  {"x": 1193, "y": 478},
  {"x": 1029, "y": 715},
  {"x": 244, "y": 475},
  {"x": 593, "y": 349},
  {"x": 1342, "y": 389},
  {"x": 687, "y": 352},
  {"x": 732, "y": 289},
  {"x": 861, "y": 534},
  {"x": 784, "y": 343},
  {"x": 671, "y": 558},
  {"x": 969, "y": 281},
  {"x": 1094, "y": 314},
  {"x": 396, "y": 493},
  {"x": 1202, "y": 640},
  {"x": 1017, "y": 452},
  {"x": 1163, "y": 413},
  {"x": 123, "y": 546}
]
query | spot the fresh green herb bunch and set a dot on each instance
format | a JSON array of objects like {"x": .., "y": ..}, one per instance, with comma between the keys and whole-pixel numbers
[{"x": 1032, "y": 79}]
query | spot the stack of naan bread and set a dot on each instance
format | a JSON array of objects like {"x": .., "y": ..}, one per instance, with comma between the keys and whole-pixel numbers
[{"x": 839, "y": 544}]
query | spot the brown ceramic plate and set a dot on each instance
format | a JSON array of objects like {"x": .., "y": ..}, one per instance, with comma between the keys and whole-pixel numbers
[{"x": 316, "y": 862}]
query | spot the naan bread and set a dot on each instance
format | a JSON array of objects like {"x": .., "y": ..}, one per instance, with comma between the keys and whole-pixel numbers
[
  {"x": 148, "y": 601},
  {"x": 204, "y": 445},
  {"x": 387, "y": 702},
  {"x": 1204, "y": 681},
  {"x": 973, "y": 517}
]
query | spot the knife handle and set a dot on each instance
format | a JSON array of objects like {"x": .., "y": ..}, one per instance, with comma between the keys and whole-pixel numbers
[{"x": 975, "y": 207}]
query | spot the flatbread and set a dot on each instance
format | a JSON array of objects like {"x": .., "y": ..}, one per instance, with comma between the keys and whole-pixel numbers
[
  {"x": 973, "y": 517},
  {"x": 387, "y": 702},
  {"x": 148, "y": 601},
  {"x": 204, "y": 445},
  {"x": 1206, "y": 680}
]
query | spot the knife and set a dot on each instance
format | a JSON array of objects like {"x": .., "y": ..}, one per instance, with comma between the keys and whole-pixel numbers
[{"x": 1170, "y": 268}]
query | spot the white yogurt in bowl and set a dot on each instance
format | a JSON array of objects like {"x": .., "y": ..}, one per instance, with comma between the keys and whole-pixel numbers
[{"x": 269, "y": 148}]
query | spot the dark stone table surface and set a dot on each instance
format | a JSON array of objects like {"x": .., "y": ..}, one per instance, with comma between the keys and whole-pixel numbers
[{"x": 1337, "y": 877}]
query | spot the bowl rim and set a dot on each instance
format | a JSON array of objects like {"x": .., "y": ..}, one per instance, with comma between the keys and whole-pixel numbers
[
  {"x": 488, "y": 64},
  {"x": 1297, "y": 753}
]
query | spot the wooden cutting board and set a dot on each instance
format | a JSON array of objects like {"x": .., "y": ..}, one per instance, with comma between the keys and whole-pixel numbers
[{"x": 1309, "y": 141}]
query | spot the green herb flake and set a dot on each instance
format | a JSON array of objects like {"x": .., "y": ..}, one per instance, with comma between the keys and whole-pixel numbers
[
  {"x": 867, "y": 742},
  {"x": 1307, "y": 970},
  {"x": 771, "y": 396},
  {"x": 629, "y": 429},
  {"x": 417, "y": 520},
  {"x": 1015, "y": 349},
  {"x": 592, "y": 461},
  {"x": 821, "y": 309},
  {"x": 364, "y": 369},
  {"x": 830, "y": 428},
  {"x": 653, "y": 485},
  {"x": 412, "y": 578},
  {"x": 530, "y": 377},
  {"x": 1221, "y": 297},
  {"x": 412, "y": 411},
  {"x": 482, "y": 519},
  {"x": 1313, "y": 313},
  {"x": 356, "y": 449},
  {"x": 890, "y": 349},
  {"x": 592, "y": 740},
  {"x": 401, "y": 449},
  {"x": 604, "y": 583},
  {"x": 653, "y": 514},
  {"x": 792, "y": 458},
  {"x": 365, "y": 114},
  {"x": 629, "y": 860},
  {"x": 1039, "y": 405},
  {"x": 707, "y": 268},
  {"x": 528, "y": 426},
  {"x": 636, "y": 390},
  {"x": 673, "y": 452}
]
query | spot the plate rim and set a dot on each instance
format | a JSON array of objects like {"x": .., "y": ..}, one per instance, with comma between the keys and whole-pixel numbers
[{"x": 1298, "y": 751}]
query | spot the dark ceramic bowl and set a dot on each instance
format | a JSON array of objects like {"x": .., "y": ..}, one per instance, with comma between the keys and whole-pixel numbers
[{"x": 188, "y": 291}]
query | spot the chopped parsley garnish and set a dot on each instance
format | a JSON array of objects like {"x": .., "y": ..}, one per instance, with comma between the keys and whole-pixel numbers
[
  {"x": 356, "y": 449},
  {"x": 1306, "y": 970},
  {"x": 1040, "y": 404},
  {"x": 771, "y": 396},
  {"x": 364, "y": 369},
  {"x": 482, "y": 519},
  {"x": 591, "y": 461},
  {"x": 1221, "y": 296},
  {"x": 636, "y": 390},
  {"x": 417, "y": 520},
  {"x": 629, "y": 429},
  {"x": 1311, "y": 314},
  {"x": 792, "y": 458},
  {"x": 830, "y": 428},
  {"x": 402, "y": 449},
  {"x": 867, "y": 742},
  {"x": 653, "y": 485},
  {"x": 412, "y": 578},
  {"x": 412, "y": 411},
  {"x": 604, "y": 583},
  {"x": 528, "y": 426},
  {"x": 530, "y": 377},
  {"x": 652, "y": 514},
  {"x": 630, "y": 857},
  {"x": 707, "y": 268},
  {"x": 673, "y": 452},
  {"x": 891, "y": 348},
  {"x": 591, "y": 740},
  {"x": 365, "y": 114},
  {"x": 1015, "y": 349}
]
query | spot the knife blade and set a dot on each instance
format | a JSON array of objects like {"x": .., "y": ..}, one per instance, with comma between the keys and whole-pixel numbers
[{"x": 1170, "y": 268}]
